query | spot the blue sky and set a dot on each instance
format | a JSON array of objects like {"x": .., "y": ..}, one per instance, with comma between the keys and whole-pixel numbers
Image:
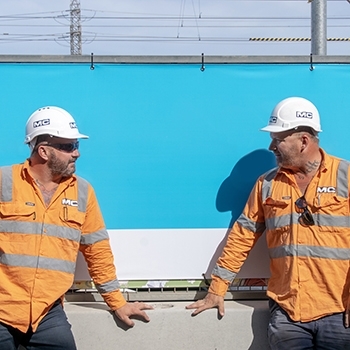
[{"x": 169, "y": 27}]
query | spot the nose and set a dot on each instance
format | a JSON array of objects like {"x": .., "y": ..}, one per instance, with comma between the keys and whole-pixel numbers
[
  {"x": 76, "y": 153},
  {"x": 272, "y": 146}
]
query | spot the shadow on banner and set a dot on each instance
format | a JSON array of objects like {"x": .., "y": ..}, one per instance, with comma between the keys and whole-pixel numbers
[{"x": 232, "y": 196}]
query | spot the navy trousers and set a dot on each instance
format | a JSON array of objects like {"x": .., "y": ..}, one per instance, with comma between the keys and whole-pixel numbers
[
  {"x": 53, "y": 333},
  {"x": 326, "y": 333}
]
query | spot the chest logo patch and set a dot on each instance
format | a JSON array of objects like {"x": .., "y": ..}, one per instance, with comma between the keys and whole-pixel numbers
[
  {"x": 326, "y": 189},
  {"x": 70, "y": 202}
]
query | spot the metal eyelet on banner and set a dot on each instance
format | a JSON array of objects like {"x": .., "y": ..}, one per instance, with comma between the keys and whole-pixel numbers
[{"x": 203, "y": 67}]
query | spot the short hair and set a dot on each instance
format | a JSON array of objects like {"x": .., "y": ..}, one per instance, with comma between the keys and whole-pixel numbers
[
  {"x": 38, "y": 140},
  {"x": 312, "y": 132}
]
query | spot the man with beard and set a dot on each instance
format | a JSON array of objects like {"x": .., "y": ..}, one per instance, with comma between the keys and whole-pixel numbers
[
  {"x": 47, "y": 215},
  {"x": 303, "y": 208}
]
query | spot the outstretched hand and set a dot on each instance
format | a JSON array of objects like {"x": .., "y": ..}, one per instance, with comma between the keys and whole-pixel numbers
[
  {"x": 210, "y": 301},
  {"x": 133, "y": 309}
]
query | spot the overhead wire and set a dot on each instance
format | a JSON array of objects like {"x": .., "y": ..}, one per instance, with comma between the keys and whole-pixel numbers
[
  {"x": 180, "y": 23},
  {"x": 197, "y": 21}
]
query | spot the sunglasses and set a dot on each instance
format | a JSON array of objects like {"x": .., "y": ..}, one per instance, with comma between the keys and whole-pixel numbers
[
  {"x": 65, "y": 147},
  {"x": 305, "y": 217}
]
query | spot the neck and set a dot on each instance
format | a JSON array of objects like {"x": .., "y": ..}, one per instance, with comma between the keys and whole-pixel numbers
[
  {"x": 47, "y": 190},
  {"x": 40, "y": 172},
  {"x": 303, "y": 175},
  {"x": 309, "y": 169}
]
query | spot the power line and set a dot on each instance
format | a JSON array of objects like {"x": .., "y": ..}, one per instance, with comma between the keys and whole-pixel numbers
[
  {"x": 196, "y": 21},
  {"x": 75, "y": 28}
]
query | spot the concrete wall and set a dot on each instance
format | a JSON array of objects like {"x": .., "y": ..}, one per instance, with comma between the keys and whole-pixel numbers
[{"x": 172, "y": 327}]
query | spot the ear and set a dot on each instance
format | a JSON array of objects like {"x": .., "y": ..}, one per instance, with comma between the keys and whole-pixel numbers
[
  {"x": 43, "y": 152},
  {"x": 304, "y": 141}
]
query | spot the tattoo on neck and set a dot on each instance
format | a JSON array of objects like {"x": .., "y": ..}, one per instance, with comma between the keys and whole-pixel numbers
[
  {"x": 312, "y": 166},
  {"x": 47, "y": 194}
]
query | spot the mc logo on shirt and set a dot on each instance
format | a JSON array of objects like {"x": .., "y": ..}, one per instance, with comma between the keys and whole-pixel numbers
[
  {"x": 70, "y": 202},
  {"x": 326, "y": 189}
]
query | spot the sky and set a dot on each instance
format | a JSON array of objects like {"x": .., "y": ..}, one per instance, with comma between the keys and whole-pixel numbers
[{"x": 169, "y": 27}]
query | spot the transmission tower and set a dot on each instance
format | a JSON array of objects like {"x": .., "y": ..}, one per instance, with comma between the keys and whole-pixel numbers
[{"x": 75, "y": 28}]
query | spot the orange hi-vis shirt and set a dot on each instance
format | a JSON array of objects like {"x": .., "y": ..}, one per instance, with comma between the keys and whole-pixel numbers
[
  {"x": 310, "y": 270},
  {"x": 39, "y": 246}
]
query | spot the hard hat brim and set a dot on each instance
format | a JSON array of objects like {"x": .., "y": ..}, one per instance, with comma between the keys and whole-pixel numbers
[
  {"x": 78, "y": 136},
  {"x": 274, "y": 128}
]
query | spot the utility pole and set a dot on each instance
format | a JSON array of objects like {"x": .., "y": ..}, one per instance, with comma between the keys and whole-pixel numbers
[
  {"x": 75, "y": 28},
  {"x": 319, "y": 27}
]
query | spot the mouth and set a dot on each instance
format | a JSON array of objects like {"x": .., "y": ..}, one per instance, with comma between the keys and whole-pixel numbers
[{"x": 278, "y": 156}]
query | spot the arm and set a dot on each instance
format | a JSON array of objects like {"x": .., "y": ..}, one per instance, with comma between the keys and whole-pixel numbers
[
  {"x": 98, "y": 254},
  {"x": 241, "y": 239}
]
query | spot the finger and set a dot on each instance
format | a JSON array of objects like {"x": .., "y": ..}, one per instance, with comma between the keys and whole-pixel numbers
[
  {"x": 136, "y": 309},
  {"x": 221, "y": 309},
  {"x": 128, "y": 322},
  {"x": 346, "y": 319},
  {"x": 198, "y": 310},
  {"x": 195, "y": 305},
  {"x": 125, "y": 319},
  {"x": 143, "y": 315},
  {"x": 144, "y": 306}
]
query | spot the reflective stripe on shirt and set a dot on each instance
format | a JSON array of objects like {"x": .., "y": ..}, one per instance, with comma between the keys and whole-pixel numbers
[
  {"x": 256, "y": 227},
  {"x": 37, "y": 228},
  {"x": 82, "y": 194},
  {"x": 320, "y": 219},
  {"x": 224, "y": 273},
  {"x": 20, "y": 260},
  {"x": 94, "y": 237},
  {"x": 309, "y": 251},
  {"x": 6, "y": 184},
  {"x": 108, "y": 286},
  {"x": 342, "y": 179},
  {"x": 266, "y": 186}
]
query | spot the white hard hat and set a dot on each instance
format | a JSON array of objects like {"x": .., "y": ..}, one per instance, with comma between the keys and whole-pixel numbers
[
  {"x": 53, "y": 121},
  {"x": 291, "y": 113}
]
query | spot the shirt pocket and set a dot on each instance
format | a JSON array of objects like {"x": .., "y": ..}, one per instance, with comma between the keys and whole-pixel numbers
[
  {"x": 277, "y": 221},
  {"x": 275, "y": 208},
  {"x": 332, "y": 213},
  {"x": 10, "y": 210},
  {"x": 72, "y": 221},
  {"x": 72, "y": 217},
  {"x": 17, "y": 221}
]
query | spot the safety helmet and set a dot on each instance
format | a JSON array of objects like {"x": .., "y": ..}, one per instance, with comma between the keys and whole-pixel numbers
[
  {"x": 53, "y": 121},
  {"x": 291, "y": 113}
]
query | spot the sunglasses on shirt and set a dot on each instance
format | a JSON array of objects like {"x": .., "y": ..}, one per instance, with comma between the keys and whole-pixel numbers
[
  {"x": 65, "y": 147},
  {"x": 305, "y": 217}
]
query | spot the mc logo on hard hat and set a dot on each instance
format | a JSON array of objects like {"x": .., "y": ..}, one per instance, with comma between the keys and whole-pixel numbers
[
  {"x": 273, "y": 120},
  {"x": 304, "y": 115},
  {"x": 42, "y": 122}
]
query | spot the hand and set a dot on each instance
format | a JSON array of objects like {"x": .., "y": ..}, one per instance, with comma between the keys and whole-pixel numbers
[
  {"x": 346, "y": 319},
  {"x": 210, "y": 301},
  {"x": 132, "y": 309}
]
